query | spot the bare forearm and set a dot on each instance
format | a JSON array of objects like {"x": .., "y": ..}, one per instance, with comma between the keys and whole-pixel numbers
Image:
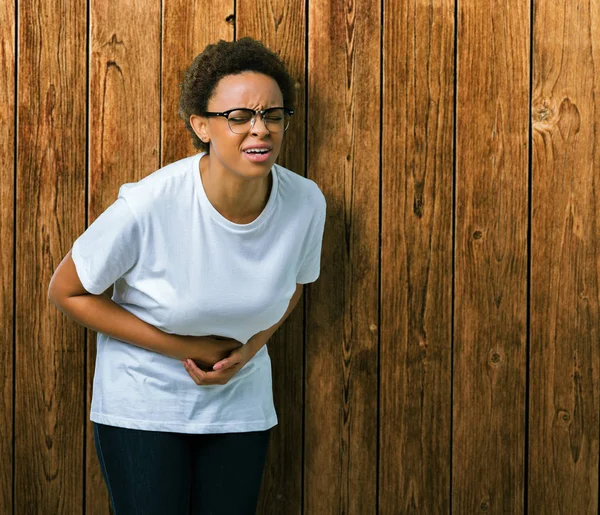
[
  {"x": 102, "y": 314},
  {"x": 261, "y": 338}
]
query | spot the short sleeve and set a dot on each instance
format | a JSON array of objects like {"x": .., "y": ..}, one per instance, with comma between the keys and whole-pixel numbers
[
  {"x": 311, "y": 265},
  {"x": 108, "y": 249}
]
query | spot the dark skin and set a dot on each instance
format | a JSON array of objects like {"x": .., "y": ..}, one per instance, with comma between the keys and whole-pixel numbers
[
  {"x": 239, "y": 189},
  {"x": 207, "y": 359},
  {"x": 100, "y": 313}
]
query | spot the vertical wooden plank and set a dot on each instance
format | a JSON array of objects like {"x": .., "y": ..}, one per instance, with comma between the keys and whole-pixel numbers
[
  {"x": 49, "y": 214},
  {"x": 416, "y": 271},
  {"x": 343, "y": 318},
  {"x": 7, "y": 220},
  {"x": 565, "y": 268},
  {"x": 124, "y": 137},
  {"x": 188, "y": 26},
  {"x": 491, "y": 256},
  {"x": 282, "y": 27}
]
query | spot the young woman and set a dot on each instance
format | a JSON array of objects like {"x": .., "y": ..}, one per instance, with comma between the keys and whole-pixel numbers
[{"x": 208, "y": 256}]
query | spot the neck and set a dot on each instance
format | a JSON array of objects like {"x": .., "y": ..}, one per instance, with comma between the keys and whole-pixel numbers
[{"x": 239, "y": 199}]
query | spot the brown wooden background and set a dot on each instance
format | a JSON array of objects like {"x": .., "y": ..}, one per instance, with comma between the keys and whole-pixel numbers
[{"x": 447, "y": 360}]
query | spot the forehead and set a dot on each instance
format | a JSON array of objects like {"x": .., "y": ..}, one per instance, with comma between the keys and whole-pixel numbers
[{"x": 246, "y": 89}]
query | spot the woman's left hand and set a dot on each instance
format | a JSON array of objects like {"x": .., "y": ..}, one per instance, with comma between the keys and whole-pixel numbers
[{"x": 222, "y": 371}]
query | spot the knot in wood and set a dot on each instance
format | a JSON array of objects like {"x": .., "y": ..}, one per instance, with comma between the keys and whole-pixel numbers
[
  {"x": 569, "y": 119},
  {"x": 495, "y": 357},
  {"x": 543, "y": 111}
]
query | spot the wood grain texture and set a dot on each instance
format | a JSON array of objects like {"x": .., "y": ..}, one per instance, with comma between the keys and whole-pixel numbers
[
  {"x": 565, "y": 247},
  {"x": 491, "y": 257},
  {"x": 188, "y": 26},
  {"x": 7, "y": 221},
  {"x": 342, "y": 319},
  {"x": 49, "y": 214},
  {"x": 281, "y": 27},
  {"x": 323, "y": 460},
  {"x": 124, "y": 139},
  {"x": 416, "y": 267}
]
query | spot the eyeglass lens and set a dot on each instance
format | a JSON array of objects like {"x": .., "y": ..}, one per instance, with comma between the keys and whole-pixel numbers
[{"x": 240, "y": 121}]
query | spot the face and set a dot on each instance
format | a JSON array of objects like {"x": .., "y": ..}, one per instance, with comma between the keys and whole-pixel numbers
[{"x": 250, "y": 90}]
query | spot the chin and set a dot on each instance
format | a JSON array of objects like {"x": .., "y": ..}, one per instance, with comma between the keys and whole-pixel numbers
[
  {"x": 254, "y": 170},
  {"x": 265, "y": 165}
]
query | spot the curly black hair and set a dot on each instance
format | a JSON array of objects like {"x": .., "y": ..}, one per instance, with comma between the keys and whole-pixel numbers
[{"x": 228, "y": 58}]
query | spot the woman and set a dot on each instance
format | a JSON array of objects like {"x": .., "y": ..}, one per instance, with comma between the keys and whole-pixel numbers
[{"x": 208, "y": 256}]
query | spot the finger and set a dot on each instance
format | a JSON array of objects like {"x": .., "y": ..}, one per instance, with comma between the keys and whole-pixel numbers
[
  {"x": 201, "y": 377},
  {"x": 221, "y": 376},
  {"x": 221, "y": 365},
  {"x": 234, "y": 358},
  {"x": 226, "y": 363},
  {"x": 195, "y": 373},
  {"x": 189, "y": 371}
]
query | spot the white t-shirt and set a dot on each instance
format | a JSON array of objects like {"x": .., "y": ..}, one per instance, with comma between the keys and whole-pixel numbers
[{"x": 181, "y": 266}]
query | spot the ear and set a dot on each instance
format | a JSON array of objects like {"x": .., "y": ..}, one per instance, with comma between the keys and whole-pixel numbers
[{"x": 200, "y": 126}]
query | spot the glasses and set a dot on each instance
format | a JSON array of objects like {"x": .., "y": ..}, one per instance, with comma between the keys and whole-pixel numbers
[{"x": 241, "y": 120}]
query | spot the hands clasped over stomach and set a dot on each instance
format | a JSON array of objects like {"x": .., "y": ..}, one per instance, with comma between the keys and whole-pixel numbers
[{"x": 214, "y": 359}]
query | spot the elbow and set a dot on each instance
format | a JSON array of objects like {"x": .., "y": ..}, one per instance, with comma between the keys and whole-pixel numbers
[
  {"x": 64, "y": 283},
  {"x": 53, "y": 295},
  {"x": 57, "y": 293}
]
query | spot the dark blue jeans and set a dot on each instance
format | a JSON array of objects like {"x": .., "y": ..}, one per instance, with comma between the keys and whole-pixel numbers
[{"x": 153, "y": 472}]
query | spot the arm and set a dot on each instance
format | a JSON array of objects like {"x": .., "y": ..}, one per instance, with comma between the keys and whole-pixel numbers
[
  {"x": 102, "y": 314},
  {"x": 255, "y": 343}
]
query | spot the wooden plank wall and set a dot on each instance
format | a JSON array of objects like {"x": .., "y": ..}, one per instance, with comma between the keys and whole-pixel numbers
[
  {"x": 565, "y": 249},
  {"x": 7, "y": 221},
  {"x": 490, "y": 273},
  {"x": 340, "y": 438},
  {"x": 447, "y": 360},
  {"x": 50, "y": 187},
  {"x": 416, "y": 258}
]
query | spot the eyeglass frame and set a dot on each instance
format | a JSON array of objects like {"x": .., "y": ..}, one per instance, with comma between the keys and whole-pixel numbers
[{"x": 225, "y": 114}]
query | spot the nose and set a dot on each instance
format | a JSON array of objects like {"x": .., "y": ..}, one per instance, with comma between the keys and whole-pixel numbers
[{"x": 258, "y": 126}]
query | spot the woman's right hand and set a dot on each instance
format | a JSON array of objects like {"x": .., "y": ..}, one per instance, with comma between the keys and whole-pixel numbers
[{"x": 205, "y": 351}]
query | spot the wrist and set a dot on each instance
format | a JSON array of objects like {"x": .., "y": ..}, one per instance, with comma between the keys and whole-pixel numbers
[
  {"x": 256, "y": 343},
  {"x": 179, "y": 348}
]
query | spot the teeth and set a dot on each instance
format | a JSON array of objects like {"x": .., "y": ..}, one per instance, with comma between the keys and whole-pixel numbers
[{"x": 257, "y": 151}]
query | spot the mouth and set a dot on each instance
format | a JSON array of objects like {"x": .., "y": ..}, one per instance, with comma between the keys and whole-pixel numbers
[{"x": 257, "y": 154}]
